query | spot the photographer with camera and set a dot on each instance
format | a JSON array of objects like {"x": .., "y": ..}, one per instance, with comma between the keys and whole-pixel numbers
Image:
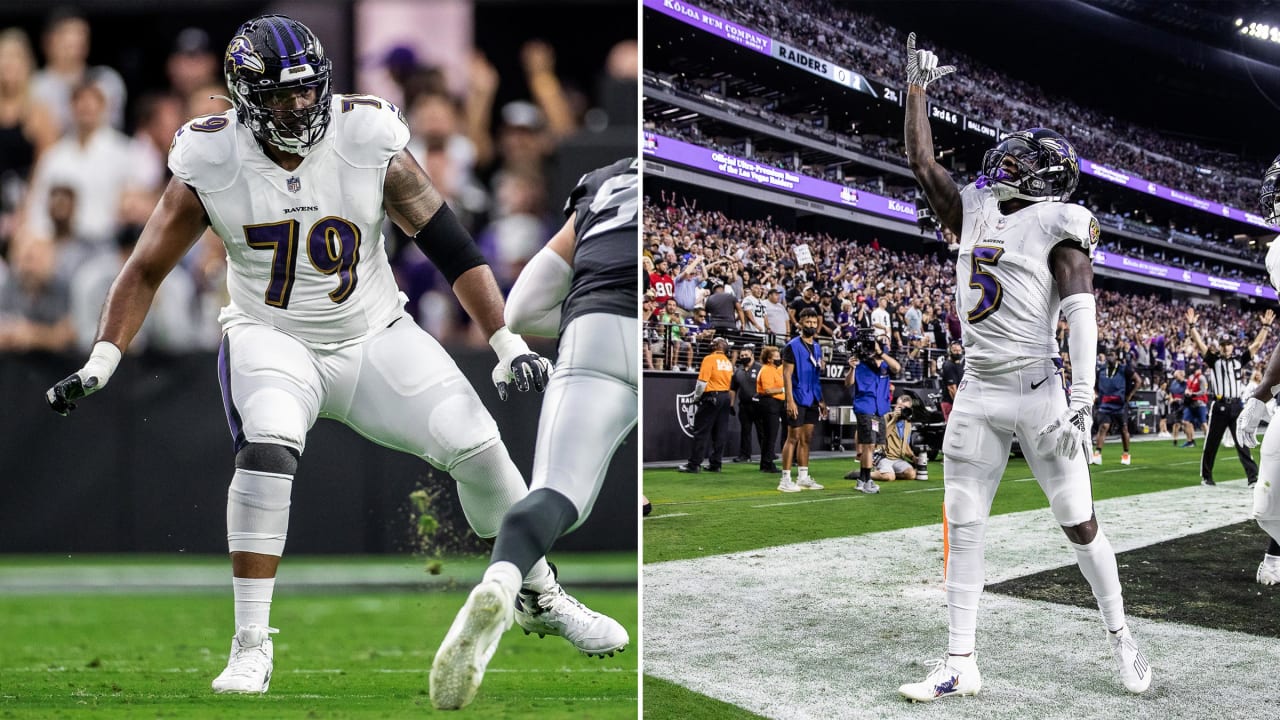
[
  {"x": 870, "y": 371},
  {"x": 897, "y": 457},
  {"x": 745, "y": 372}
]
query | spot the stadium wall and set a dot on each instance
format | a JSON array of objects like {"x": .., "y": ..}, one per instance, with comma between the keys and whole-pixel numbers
[{"x": 144, "y": 467}]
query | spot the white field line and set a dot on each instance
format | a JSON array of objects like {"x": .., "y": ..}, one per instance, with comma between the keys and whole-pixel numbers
[
  {"x": 829, "y": 629},
  {"x": 107, "y": 669}
]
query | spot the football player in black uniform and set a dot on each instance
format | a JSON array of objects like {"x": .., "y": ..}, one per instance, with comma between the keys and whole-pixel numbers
[{"x": 582, "y": 288}]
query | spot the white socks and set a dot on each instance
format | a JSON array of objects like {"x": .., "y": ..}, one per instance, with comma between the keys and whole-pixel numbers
[
  {"x": 803, "y": 470},
  {"x": 253, "y": 600},
  {"x": 1098, "y": 565},
  {"x": 540, "y": 579},
  {"x": 507, "y": 575},
  {"x": 965, "y": 578}
]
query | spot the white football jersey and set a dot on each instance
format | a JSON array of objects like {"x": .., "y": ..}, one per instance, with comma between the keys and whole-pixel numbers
[
  {"x": 1273, "y": 263},
  {"x": 305, "y": 252},
  {"x": 1005, "y": 291}
]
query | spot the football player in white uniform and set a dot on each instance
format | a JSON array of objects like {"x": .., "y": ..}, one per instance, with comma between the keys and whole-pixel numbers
[
  {"x": 1266, "y": 492},
  {"x": 581, "y": 287},
  {"x": 1024, "y": 255},
  {"x": 298, "y": 181}
]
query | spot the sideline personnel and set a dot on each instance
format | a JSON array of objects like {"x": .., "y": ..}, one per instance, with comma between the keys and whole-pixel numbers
[{"x": 715, "y": 403}]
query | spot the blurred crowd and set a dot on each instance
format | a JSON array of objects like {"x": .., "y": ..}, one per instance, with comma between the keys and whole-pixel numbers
[
  {"x": 907, "y": 297},
  {"x": 1110, "y": 211},
  {"x": 83, "y": 161},
  {"x": 867, "y": 45}
]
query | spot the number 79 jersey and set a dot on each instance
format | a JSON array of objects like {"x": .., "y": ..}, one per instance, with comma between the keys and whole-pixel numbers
[
  {"x": 305, "y": 252},
  {"x": 1005, "y": 290}
]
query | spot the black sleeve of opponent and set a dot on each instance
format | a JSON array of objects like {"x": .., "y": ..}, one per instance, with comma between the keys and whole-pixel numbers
[{"x": 448, "y": 245}]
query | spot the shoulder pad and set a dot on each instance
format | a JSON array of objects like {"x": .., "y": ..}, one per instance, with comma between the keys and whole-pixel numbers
[
  {"x": 205, "y": 154},
  {"x": 1273, "y": 265},
  {"x": 1075, "y": 222},
  {"x": 971, "y": 197},
  {"x": 368, "y": 130}
]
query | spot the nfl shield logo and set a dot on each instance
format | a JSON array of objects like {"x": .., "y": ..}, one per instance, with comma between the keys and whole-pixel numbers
[
  {"x": 686, "y": 408},
  {"x": 294, "y": 184}
]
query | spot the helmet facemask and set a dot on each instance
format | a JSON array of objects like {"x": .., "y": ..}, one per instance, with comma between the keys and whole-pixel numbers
[
  {"x": 273, "y": 115},
  {"x": 1267, "y": 197}
]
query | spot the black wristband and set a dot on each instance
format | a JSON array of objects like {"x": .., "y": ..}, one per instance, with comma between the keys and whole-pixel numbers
[{"x": 448, "y": 245}]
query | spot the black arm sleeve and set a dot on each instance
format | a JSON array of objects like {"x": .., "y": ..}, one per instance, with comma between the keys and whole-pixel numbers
[{"x": 448, "y": 245}]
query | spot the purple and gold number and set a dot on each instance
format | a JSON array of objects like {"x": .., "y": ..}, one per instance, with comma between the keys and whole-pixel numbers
[
  {"x": 282, "y": 239},
  {"x": 985, "y": 257},
  {"x": 334, "y": 247},
  {"x": 213, "y": 124},
  {"x": 349, "y": 102}
]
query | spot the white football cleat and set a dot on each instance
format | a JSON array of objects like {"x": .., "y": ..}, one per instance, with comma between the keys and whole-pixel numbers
[
  {"x": 249, "y": 667},
  {"x": 559, "y": 613},
  {"x": 807, "y": 483},
  {"x": 788, "y": 486},
  {"x": 459, "y": 664},
  {"x": 1124, "y": 459},
  {"x": 1095, "y": 458},
  {"x": 1135, "y": 672},
  {"x": 1268, "y": 573},
  {"x": 869, "y": 487},
  {"x": 952, "y": 676}
]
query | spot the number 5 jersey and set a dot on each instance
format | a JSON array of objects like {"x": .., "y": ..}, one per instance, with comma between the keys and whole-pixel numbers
[
  {"x": 1005, "y": 290},
  {"x": 305, "y": 252}
]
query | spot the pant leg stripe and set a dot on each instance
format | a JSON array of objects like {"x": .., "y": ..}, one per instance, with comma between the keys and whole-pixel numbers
[{"x": 228, "y": 403}]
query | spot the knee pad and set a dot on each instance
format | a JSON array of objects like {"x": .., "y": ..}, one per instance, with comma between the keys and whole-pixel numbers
[
  {"x": 489, "y": 483},
  {"x": 258, "y": 512},
  {"x": 964, "y": 505},
  {"x": 268, "y": 458},
  {"x": 1071, "y": 504}
]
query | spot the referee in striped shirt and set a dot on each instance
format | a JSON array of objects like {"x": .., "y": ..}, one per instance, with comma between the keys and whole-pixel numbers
[{"x": 1225, "y": 365}]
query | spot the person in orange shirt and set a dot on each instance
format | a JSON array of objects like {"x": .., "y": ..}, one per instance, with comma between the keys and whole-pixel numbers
[
  {"x": 770, "y": 396},
  {"x": 715, "y": 404}
]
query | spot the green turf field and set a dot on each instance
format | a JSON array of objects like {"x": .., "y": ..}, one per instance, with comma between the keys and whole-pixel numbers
[
  {"x": 715, "y": 513},
  {"x": 668, "y": 700},
  {"x": 360, "y": 651}
]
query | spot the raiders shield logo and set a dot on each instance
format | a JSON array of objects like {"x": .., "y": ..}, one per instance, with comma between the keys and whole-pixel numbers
[{"x": 686, "y": 408}]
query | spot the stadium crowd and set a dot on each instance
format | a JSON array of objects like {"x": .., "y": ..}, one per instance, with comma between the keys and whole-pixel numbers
[
  {"x": 83, "y": 161},
  {"x": 867, "y": 45},
  {"x": 891, "y": 149},
  {"x": 906, "y": 295}
]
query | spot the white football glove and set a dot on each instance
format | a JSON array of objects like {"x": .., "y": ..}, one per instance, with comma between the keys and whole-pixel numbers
[
  {"x": 1247, "y": 424},
  {"x": 922, "y": 65},
  {"x": 517, "y": 364},
  {"x": 1071, "y": 431}
]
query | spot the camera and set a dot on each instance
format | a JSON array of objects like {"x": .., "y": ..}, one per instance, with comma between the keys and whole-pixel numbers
[
  {"x": 864, "y": 345},
  {"x": 905, "y": 413}
]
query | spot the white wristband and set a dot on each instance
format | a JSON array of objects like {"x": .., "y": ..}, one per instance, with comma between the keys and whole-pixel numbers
[
  {"x": 507, "y": 344},
  {"x": 102, "y": 363}
]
